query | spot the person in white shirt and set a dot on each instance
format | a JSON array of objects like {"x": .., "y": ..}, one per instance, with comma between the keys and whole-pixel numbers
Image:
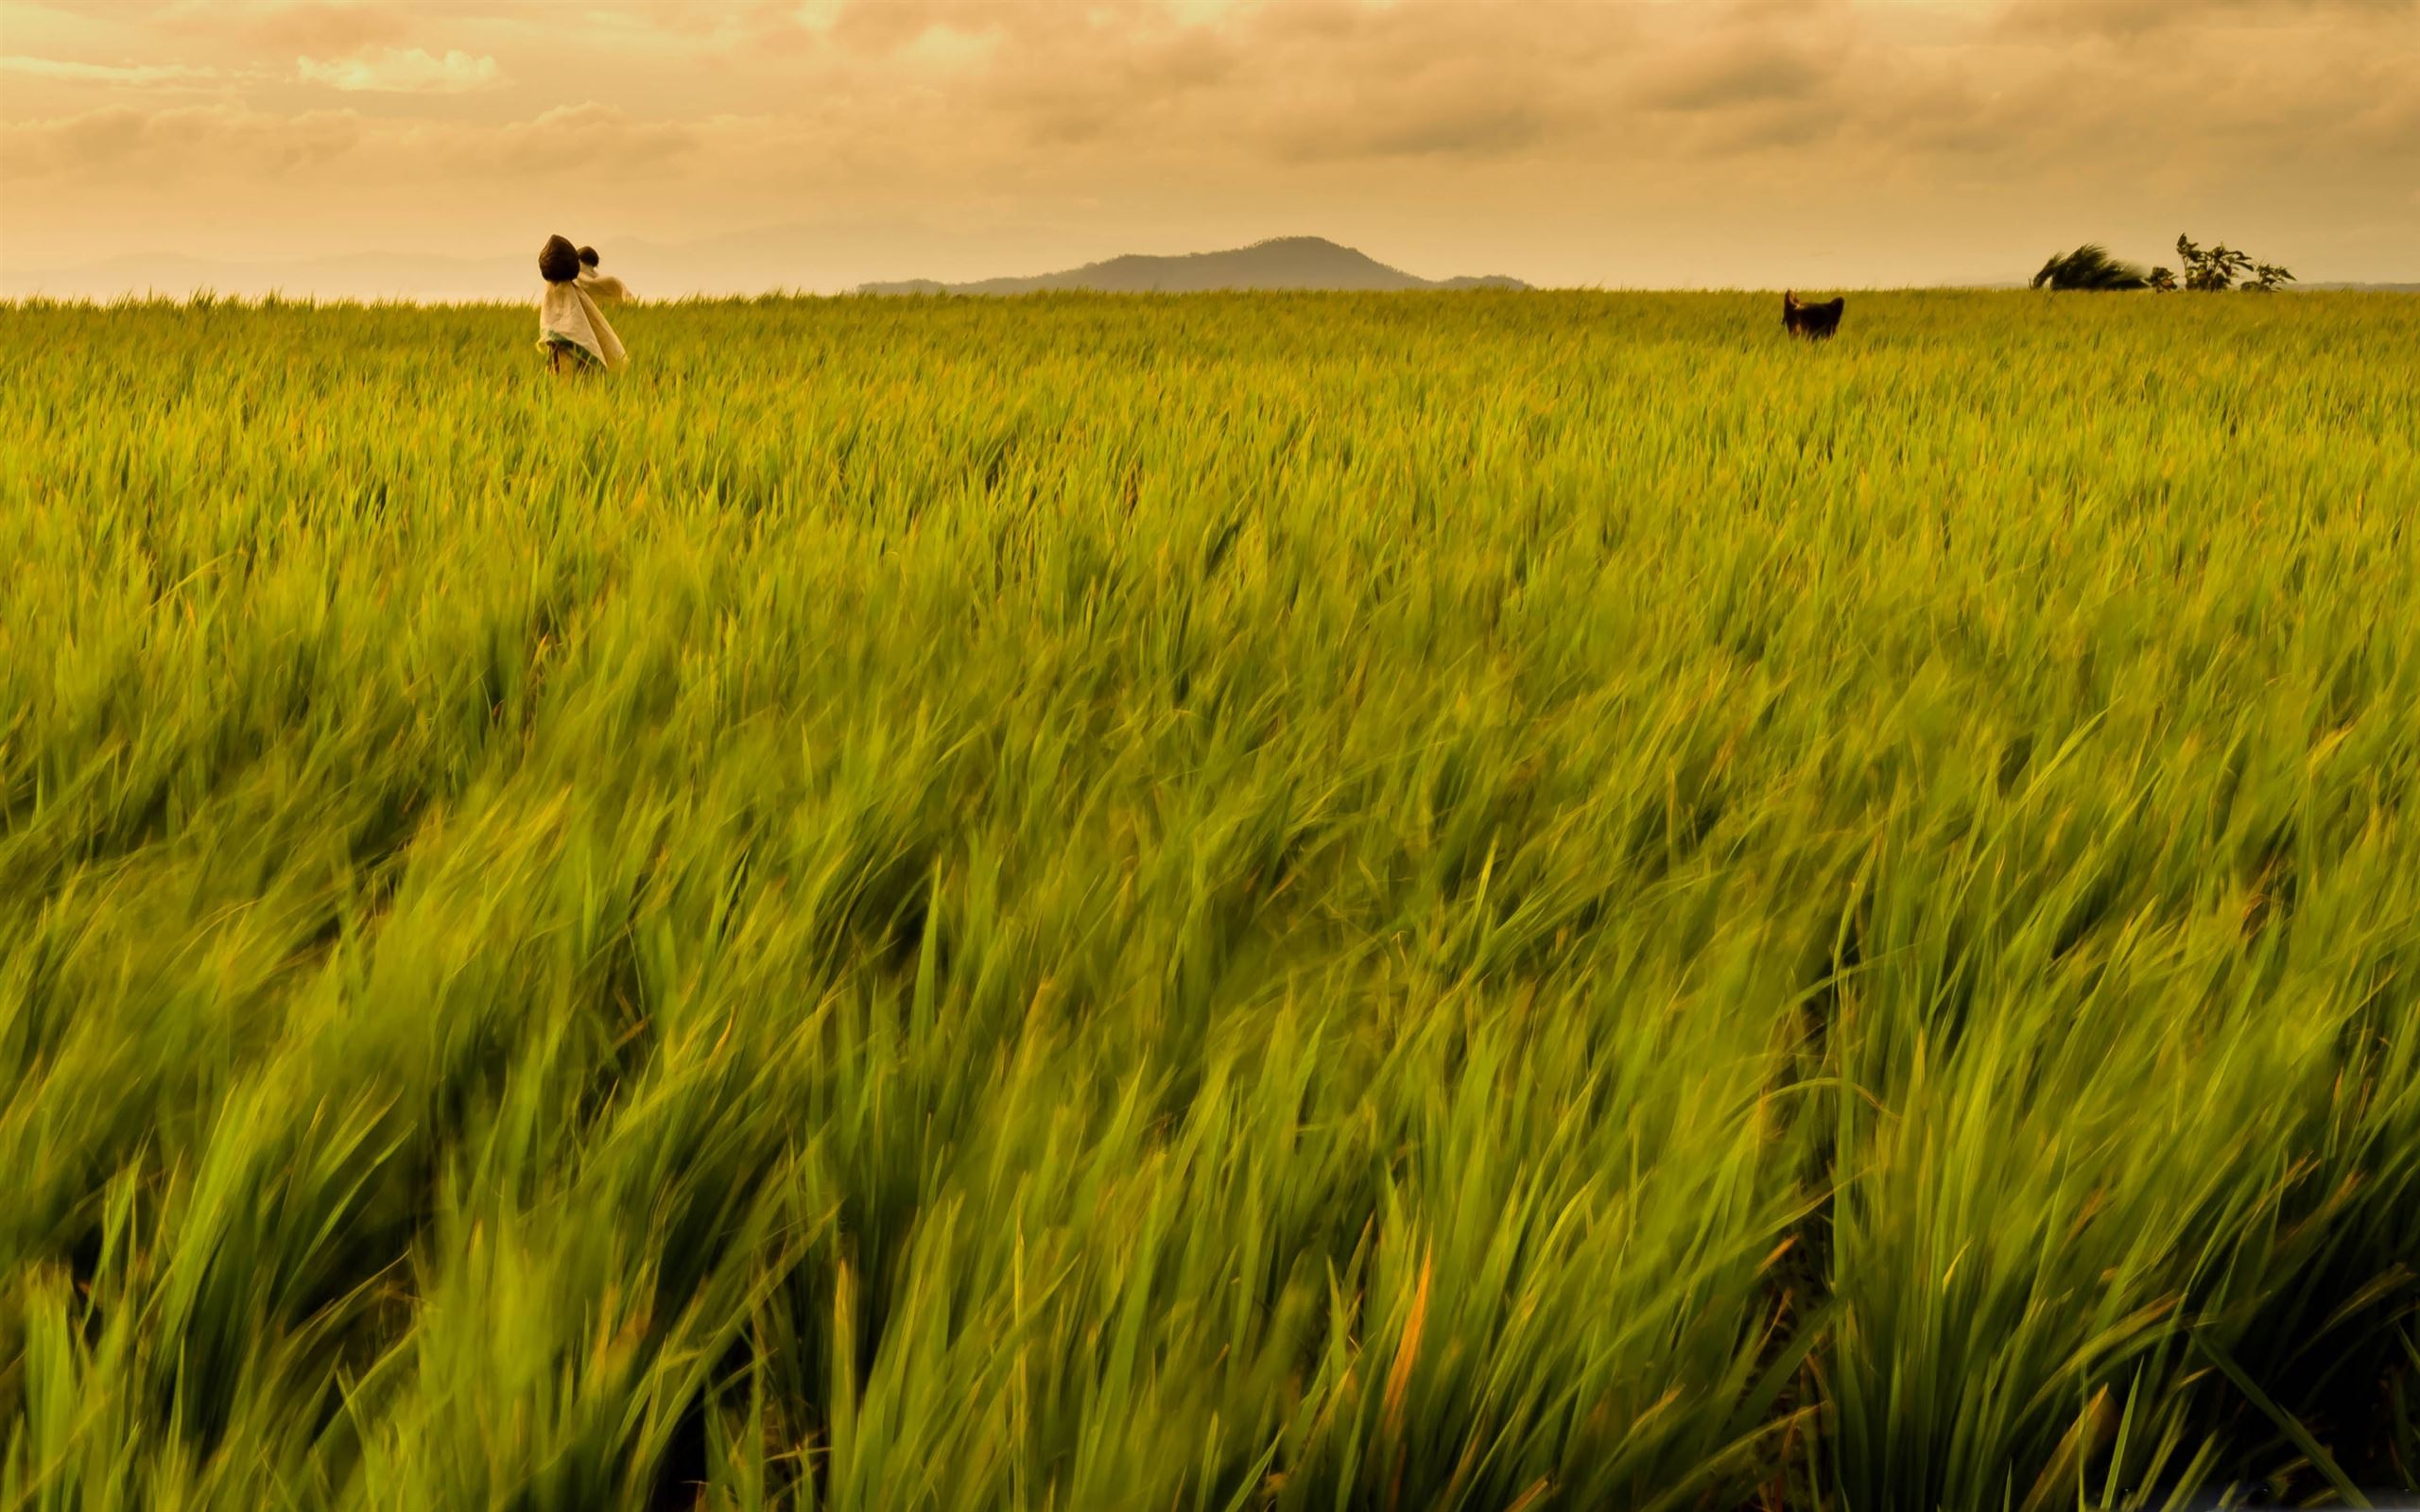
[
  {"x": 600, "y": 285},
  {"x": 572, "y": 331}
]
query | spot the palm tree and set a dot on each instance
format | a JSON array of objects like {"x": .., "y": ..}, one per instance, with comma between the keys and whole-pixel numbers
[{"x": 2090, "y": 266}]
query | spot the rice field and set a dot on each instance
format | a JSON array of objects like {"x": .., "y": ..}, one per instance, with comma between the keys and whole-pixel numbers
[{"x": 1483, "y": 902}]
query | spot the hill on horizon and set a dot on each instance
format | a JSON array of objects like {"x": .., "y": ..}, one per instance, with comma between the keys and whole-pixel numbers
[{"x": 1281, "y": 263}]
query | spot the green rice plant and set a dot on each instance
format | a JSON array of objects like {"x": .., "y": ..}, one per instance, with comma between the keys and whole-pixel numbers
[{"x": 1353, "y": 901}]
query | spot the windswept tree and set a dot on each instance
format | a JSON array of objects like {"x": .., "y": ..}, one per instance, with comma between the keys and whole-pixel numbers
[
  {"x": 2215, "y": 270},
  {"x": 2162, "y": 281},
  {"x": 2090, "y": 266},
  {"x": 2268, "y": 278}
]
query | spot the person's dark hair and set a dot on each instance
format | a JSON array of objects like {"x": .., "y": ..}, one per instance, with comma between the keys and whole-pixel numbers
[
  {"x": 588, "y": 255},
  {"x": 557, "y": 260}
]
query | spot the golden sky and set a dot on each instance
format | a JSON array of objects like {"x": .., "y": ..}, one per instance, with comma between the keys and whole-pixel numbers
[{"x": 820, "y": 143}]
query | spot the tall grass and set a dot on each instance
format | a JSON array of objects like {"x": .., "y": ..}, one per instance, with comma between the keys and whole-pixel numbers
[{"x": 1476, "y": 902}]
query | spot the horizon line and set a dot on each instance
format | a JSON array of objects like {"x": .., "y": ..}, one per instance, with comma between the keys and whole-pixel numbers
[{"x": 274, "y": 299}]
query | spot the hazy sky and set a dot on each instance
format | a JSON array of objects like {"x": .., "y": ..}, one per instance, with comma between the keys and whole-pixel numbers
[{"x": 1820, "y": 143}]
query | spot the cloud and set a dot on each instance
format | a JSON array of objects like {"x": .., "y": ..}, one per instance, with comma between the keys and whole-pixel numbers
[
  {"x": 1464, "y": 120},
  {"x": 593, "y": 133},
  {"x": 1479, "y": 126},
  {"x": 397, "y": 71},
  {"x": 1748, "y": 70},
  {"x": 323, "y": 29},
  {"x": 1146, "y": 119},
  {"x": 126, "y": 145},
  {"x": 2141, "y": 18},
  {"x": 1308, "y": 82},
  {"x": 123, "y": 142},
  {"x": 133, "y": 75},
  {"x": 1604, "y": 87},
  {"x": 103, "y": 139},
  {"x": 1072, "y": 90},
  {"x": 1023, "y": 94}
]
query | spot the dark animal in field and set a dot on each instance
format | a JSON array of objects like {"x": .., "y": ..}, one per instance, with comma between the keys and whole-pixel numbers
[{"x": 1813, "y": 322}]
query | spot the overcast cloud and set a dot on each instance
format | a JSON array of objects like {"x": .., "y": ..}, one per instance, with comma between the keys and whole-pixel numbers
[{"x": 1620, "y": 142}]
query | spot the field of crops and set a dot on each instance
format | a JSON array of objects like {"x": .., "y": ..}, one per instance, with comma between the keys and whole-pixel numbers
[{"x": 1482, "y": 902}]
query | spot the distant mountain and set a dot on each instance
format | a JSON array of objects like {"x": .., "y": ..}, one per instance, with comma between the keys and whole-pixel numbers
[
  {"x": 2367, "y": 288},
  {"x": 1285, "y": 262}
]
